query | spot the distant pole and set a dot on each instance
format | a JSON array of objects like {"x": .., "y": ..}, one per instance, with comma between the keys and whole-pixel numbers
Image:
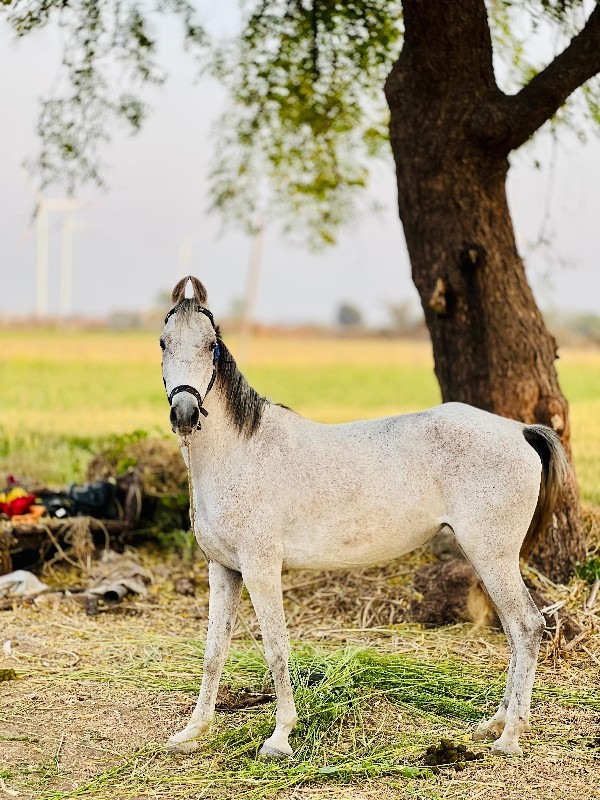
[
  {"x": 65, "y": 207},
  {"x": 41, "y": 283},
  {"x": 252, "y": 281},
  {"x": 185, "y": 255},
  {"x": 66, "y": 264}
]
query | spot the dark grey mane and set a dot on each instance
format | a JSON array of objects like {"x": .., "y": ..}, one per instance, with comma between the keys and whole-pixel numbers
[{"x": 244, "y": 404}]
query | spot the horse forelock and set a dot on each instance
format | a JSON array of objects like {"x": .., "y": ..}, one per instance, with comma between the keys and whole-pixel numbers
[{"x": 186, "y": 309}]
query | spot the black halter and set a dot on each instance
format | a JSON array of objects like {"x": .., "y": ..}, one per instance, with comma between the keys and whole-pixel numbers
[{"x": 211, "y": 383}]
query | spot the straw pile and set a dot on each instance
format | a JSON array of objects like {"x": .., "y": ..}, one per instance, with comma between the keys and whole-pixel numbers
[
  {"x": 158, "y": 463},
  {"x": 95, "y": 697}
]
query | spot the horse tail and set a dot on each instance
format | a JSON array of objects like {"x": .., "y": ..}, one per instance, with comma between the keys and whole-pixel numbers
[{"x": 555, "y": 474}]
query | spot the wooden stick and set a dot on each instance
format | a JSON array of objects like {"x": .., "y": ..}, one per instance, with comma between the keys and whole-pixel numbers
[
  {"x": 574, "y": 642},
  {"x": 589, "y": 603}
]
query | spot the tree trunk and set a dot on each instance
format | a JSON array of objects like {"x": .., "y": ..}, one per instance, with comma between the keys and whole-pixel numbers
[{"x": 490, "y": 345}]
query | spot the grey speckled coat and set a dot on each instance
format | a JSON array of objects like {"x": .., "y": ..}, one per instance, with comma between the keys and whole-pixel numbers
[{"x": 273, "y": 489}]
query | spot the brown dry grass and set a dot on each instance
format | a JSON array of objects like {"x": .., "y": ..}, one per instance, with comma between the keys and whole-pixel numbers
[{"x": 97, "y": 694}]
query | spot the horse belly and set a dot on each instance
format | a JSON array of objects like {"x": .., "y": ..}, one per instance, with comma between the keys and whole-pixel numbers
[{"x": 338, "y": 540}]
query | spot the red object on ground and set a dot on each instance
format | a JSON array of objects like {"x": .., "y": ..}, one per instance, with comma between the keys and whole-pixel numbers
[{"x": 17, "y": 506}]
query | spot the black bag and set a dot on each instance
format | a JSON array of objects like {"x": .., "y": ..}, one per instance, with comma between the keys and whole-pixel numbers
[
  {"x": 97, "y": 499},
  {"x": 57, "y": 504}
]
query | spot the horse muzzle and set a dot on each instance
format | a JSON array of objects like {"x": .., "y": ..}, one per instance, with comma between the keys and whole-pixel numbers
[{"x": 184, "y": 415}]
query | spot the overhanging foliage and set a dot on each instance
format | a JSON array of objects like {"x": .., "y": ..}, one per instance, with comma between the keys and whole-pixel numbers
[{"x": 305, "y": 80}]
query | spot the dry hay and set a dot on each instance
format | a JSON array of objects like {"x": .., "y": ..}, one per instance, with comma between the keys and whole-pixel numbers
[
  {"x": 591, "y": 527},
  {"x": 372, "y": 597},
  {"x": 52, "y": 541},
  {"x": 158, "y": 463},
  {"x": 96, "y": 696},
  {"x": 75, "y": 545}
]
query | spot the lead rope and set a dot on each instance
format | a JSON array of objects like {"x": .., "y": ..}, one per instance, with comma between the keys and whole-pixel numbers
[{"x": 186, "y": 443}]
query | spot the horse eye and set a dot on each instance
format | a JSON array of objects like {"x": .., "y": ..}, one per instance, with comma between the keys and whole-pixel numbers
[
  {"x": 212, "y": 345},
  {"x": 162, "y": 344}
]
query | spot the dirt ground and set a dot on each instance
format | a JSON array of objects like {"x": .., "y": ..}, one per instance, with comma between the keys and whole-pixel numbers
[{"x": 97, "y": 696}]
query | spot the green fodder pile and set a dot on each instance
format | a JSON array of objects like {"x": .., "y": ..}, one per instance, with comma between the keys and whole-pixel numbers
[{"x": 363, "y": 716}]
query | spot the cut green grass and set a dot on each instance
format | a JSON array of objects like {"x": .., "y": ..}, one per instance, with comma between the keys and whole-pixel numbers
[{"x": 336, "y": 738}]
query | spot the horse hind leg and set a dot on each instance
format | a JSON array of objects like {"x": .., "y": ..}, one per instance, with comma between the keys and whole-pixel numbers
[
  {"x": 492, "y": 728},
  {"x": 523, "y": 624},
  {"x": 526, "y": 626}
]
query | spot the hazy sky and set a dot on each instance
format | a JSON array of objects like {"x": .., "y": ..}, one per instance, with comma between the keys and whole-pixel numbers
[{"x": 129, "y": 238}]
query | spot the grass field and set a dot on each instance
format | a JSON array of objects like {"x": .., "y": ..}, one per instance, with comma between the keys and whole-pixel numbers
[{"x": 60, "y": 391}]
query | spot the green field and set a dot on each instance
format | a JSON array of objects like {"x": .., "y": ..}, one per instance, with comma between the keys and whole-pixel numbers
[{"x": 61, "y": 392}]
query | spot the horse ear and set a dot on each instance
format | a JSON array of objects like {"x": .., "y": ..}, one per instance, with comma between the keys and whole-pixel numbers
[
  {"x": 178, "y": 293},
  {"x": 199, "y": 290}
]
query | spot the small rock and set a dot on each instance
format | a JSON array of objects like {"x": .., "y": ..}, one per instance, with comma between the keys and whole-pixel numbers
[
  {"x": 48, "y": 598},
  {"x": 443, "y": 545},
  {"x": 184, "y": 586},
  {"x": 88, "y": 601}
]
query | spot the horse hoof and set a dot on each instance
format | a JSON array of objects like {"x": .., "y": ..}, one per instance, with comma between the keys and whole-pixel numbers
[
  {"x": 509, "y": 748},
  {"x": 272, "y": 753},
  {"x": 173, "y": 746},
  {"x": 492, "y": 729}
]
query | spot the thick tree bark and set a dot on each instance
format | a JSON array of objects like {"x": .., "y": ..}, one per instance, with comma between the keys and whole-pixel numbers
[{"x": 490, "y": 345}]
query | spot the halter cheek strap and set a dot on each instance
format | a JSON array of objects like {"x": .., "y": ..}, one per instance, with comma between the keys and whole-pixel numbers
[{"x": 185, "y": 387}]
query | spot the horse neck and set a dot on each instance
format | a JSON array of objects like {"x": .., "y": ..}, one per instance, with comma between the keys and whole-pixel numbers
[{"x": 211, "y": 447}]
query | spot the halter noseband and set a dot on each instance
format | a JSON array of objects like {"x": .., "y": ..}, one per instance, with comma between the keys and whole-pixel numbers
[{"x": 211, "y": 383}]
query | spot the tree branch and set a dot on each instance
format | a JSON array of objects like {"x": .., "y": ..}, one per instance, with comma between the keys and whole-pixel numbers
[{"x": 541, "y": 98}]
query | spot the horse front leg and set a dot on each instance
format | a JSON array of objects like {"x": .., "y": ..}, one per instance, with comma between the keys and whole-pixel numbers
[
  {"x": 264, "y": 587},
  {"x": 225, "y": 590}
]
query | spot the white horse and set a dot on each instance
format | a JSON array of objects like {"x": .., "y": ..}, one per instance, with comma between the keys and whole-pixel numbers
[{"x": 272, "y": 489}]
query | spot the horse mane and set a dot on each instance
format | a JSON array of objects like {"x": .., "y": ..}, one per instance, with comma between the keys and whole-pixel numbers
[
  {"x": 245, "y": 405},
  {"x": 187, "y": 309}
]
